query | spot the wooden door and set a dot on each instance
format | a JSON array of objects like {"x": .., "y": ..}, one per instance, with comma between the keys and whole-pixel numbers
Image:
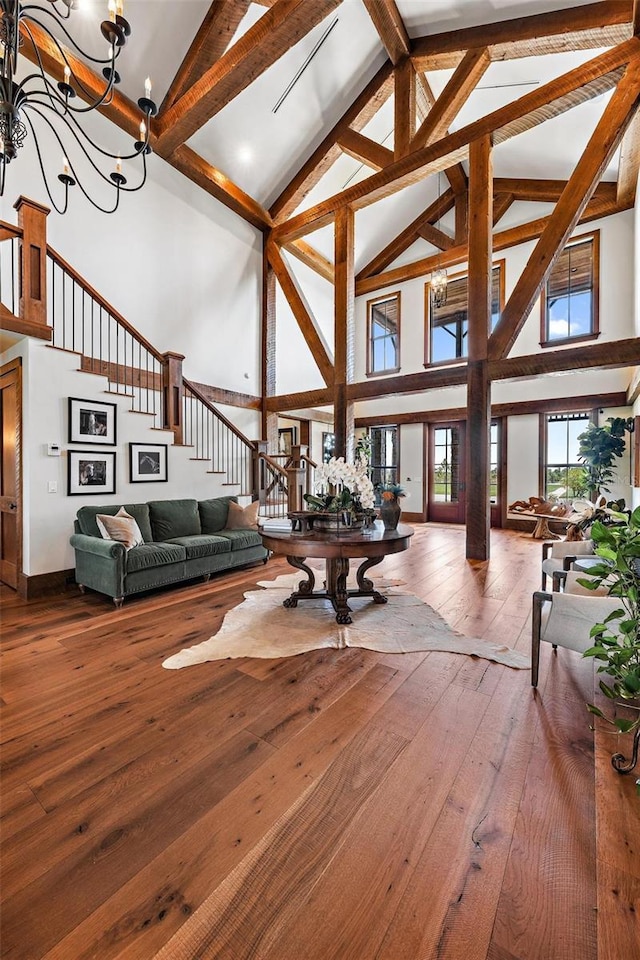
[
  {"x": 446, "y": 487},
  {"x": 10, "y": 483}
]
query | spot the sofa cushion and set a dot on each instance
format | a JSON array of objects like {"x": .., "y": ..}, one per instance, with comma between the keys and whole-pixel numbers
[
  {"x": 213, "y": 513},
  {"x": 243, "y": 518},
  {"x": 154, "y": 555},
  {"x": 203, "y": 546},
  {"x": 122, "y": 528},
  {"x": 174, "y": 518},
  {"x": 139, "y": 511},
  {"x": 241, "y": 539}
]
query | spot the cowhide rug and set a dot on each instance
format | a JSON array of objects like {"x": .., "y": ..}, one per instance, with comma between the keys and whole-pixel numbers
[{"x": 261, "y": 627}]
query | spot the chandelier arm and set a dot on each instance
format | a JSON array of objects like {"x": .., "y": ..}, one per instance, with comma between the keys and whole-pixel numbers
[
  {"x": 52, "y": 93},
  {"x": 115, "y": 186},
  {"x": 74, "y": 126},
  {"x": 29, "y": 17},
  {"x": 60, "y": 210},
  {"x": 93, "y": 104}
]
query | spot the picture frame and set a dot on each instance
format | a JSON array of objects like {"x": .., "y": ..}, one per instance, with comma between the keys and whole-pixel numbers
[
  {"x": 286, "y": 440},
  {"x": 148, "y": 463},
  {"x": 91, "y": 472},
  {"x": 92, "y": 421}
]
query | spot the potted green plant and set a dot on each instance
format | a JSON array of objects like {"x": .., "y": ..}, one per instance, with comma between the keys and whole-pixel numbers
[
  {"x": 617, "y": 640},
  {"x": 599, "y": 448}
]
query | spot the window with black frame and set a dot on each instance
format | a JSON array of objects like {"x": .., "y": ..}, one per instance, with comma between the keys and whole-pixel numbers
[
  {"x": 563, "y": 473},
  {"x": 448, "y": 324},
  {"x": 383, "y": 463},
  {"x": 569, "y": 301},
  {"x": 383, "y": 334}
]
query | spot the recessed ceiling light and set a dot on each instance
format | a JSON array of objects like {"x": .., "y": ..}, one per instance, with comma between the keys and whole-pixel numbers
[{"x": 245, "y": 154}]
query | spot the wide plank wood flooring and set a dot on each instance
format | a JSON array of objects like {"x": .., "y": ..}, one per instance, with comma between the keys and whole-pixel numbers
[{"x": 340, "y": 805}]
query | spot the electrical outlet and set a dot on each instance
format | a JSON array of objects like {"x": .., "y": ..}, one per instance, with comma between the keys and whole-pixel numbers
[{"x": 53, "y": 486}]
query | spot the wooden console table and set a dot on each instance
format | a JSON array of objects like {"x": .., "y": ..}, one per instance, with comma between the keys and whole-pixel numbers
[{"x": 371, "y": 545}]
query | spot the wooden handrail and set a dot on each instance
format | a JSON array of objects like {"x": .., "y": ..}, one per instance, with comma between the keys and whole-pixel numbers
[
  {"x": 61, "y": 262},
  {"x": 8, "y": 231},
  {"x": 272, "y": 463},
  {"x": 207, "y": 403}
]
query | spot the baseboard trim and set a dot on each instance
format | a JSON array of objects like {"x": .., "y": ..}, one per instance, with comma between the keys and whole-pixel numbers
[
  {"x": 412, "y": 517},
  {"x": 29, "y": 588}
]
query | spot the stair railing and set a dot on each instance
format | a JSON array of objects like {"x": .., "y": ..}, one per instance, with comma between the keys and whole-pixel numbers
[
  {"x": 10, "y": 237},
  {"x": 84, "y": 322}
]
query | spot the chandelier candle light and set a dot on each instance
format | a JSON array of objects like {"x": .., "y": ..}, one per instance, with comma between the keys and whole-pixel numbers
[
  {"x": 439, "y": 276},
  {"x": 35, "y": 95}
]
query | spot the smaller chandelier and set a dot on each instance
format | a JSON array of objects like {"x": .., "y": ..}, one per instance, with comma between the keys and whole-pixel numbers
[
  {"x": 36, "y": 97},
  {"x": 439, "y": 287}
]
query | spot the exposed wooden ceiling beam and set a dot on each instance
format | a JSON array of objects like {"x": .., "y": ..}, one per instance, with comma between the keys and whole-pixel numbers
[
  {"x": 279, "y": 29},
  {"x": 364, "y": 107},
  {"x": 302, "y": 312},
  {"x": 311, "y": 258},
  {"x": 404, "y": 108},
  {"x": 636, "y": 17},
  {"x": 609, "y": 355},
  {"x": 386, "y": 18},
  {"x": 601, "y": 24},
  {"x": 544, "y": 191},
  {"x": 425, "y": 99},
  {"x": 455, "y": 94},
  {"x": 511, "y": 237},
  {"x": 436, "y": 237},
  {"x": 212, "y": 39},
  {"x": 501, "y": 203},
  {"x": 409, "y": 235},
  {"x": 127, "y": 115},
  {"x": 550, "y": 100},
  {"x": 192, "y": 165},
  {"x": 306, "y": 398},
  {"x": 574, "y": 199},
  {"x": 629, "y": 163},
  {"x": 367, "y": 151}
]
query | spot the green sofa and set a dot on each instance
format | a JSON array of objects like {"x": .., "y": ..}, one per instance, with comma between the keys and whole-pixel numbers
[{"x": 182, "y": 539}]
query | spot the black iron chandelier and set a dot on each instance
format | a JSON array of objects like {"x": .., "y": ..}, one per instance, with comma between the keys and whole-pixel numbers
[{"x": 51, "y": 104}]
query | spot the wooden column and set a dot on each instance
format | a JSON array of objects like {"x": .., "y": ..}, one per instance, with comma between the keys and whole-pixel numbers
[
  {"x": 344, "y": 307},
  {"x": 462, "y": 217},
  {"x": 172, "y": 387},
  {"x": 32, "y": 219},
  {"x": 268, "y": 338},
  {"x": 478, "y": 384},
  {"x": 404, "y": 107}
]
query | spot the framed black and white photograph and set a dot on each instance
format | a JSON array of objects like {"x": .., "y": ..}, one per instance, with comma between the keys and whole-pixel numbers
[
  {"x": 286, "y": 440},
  {"x": 91, "y": 421},
  {"x": 90, "y": 472},
  {"x": 148, "y": 462}
]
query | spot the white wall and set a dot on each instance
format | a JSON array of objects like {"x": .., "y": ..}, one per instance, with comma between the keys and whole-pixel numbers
[
  {"x": 176, "y": 263},
  {"x": 49, "y": 378}
]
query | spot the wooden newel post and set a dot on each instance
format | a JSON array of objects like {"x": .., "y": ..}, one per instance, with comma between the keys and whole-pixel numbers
[
  {"x": 172, "y": 390},
  {"x": 296, "y": 486},
  {"x": 32, "y": 219}
]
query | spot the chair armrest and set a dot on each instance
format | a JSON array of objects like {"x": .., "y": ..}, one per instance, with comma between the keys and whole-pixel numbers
[
  {"x": 546, "y": 549},
  {"x": 567, "y": 561},
  {"x": 100, "y": 548},
  {"x": 559, "y": 579}
]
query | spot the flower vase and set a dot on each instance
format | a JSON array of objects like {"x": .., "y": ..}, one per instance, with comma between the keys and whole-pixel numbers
[{"x": 390, "y": 511}]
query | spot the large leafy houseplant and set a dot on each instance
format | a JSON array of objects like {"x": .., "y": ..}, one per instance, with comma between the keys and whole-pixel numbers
[
  {"x": 599, "y": 448},
  {"x": 617, "y": 640}
]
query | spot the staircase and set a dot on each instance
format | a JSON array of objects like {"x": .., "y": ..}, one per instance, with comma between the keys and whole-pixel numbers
[{"x": 75, "y": 318}]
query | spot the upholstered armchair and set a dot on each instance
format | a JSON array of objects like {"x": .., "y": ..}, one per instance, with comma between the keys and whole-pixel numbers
[
  {"x": 565, "y": 619},
  {"x": 561, "y": 554}
]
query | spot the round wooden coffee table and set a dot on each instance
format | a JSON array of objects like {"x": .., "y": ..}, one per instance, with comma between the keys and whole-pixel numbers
[{"x": 371, "y": 546}]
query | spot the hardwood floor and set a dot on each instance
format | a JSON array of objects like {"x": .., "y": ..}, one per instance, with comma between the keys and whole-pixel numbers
[{"x": 340, "y": 805}]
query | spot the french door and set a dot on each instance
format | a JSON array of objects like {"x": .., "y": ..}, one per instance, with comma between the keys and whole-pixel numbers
[
  {"x": 446, "y": 486},
  {"x": 446, "y": 489}
]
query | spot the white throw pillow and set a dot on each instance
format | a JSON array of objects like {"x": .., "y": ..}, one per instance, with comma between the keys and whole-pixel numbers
[{"x": 121, "y": 527}]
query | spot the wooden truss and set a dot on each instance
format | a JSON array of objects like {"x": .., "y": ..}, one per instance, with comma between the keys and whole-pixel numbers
[{"x": 216, "y": 68}]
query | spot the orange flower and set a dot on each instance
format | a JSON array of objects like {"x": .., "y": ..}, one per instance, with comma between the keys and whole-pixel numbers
[{"x": 388, "y": 495}]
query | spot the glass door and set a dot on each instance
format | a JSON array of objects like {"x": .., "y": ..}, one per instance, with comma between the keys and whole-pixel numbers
[{"x": 446, "y": 489}]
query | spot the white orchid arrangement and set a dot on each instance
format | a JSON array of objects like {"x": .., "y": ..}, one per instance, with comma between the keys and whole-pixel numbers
[
  {"x": 342, "y": 486},
  {"x": 585, "y": 512}
]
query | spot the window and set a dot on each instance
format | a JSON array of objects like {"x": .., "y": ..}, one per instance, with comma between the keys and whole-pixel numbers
[
  {"x": 447, "y": 326},
  {"x": 383, "y": 465},
  {"x": 383, "y": 335},
  {"x": 562, "y": 469},
  {"x": 569, "y": 301},
  {"x": 328, "y": 446},
  {"x": 493, "y": 464}
]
